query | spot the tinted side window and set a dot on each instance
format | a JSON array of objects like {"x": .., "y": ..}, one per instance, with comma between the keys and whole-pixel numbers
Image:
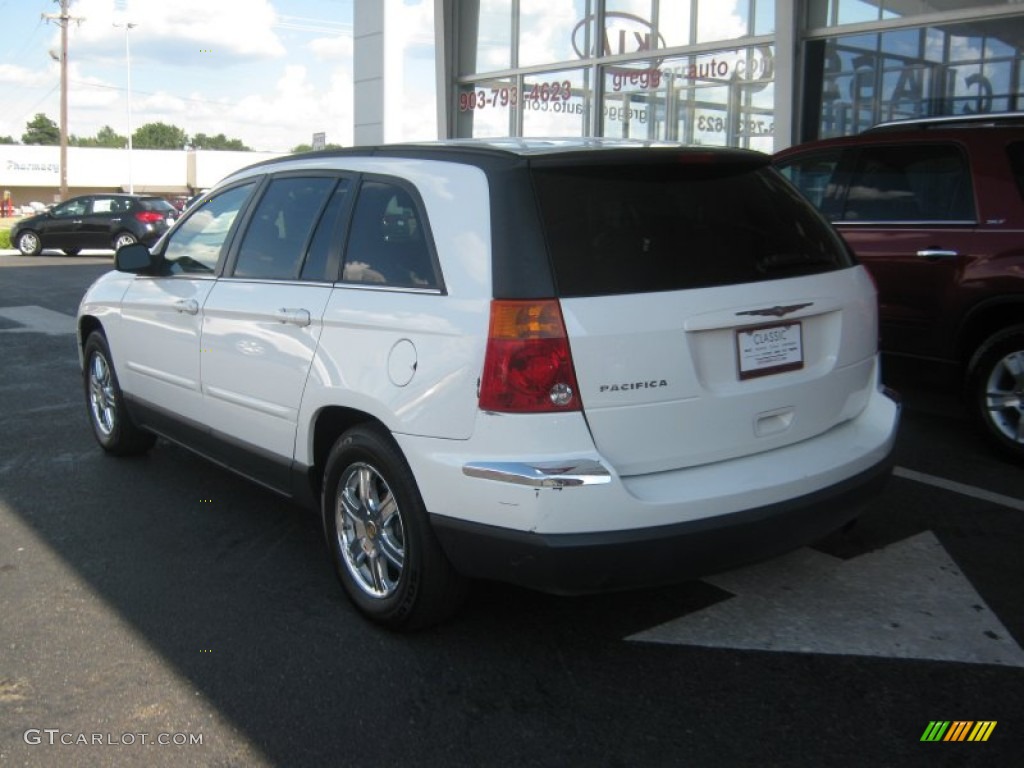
[
  {"x": 197, "y": 244},
  {"x": 317, "y": 260},
  {"x": 638, "y": 229},
  {"x": 71, "y": 208},
  {"x": 910, "y": 183},
  {"x": 813, "y": 176},
  {"x": 1016, "y": 152},
  {"x": 275, "y": 240},
  {"x": 388, "y": 243}
]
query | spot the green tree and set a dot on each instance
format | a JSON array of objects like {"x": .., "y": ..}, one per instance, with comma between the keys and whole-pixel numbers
[
  {"x": 108, "y": 137},
  {"x": 105, "y": 137},
  {"x": 220, "y": 141},
  {"x": 159, "y": 136},
  {"x": 309, "y": 148},
  {"x": 7, "y": 140},
  {"x": 41, "y": 130}
]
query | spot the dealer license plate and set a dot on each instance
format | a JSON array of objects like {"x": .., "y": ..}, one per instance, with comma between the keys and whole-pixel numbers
[{"x": 770, "y": 349}]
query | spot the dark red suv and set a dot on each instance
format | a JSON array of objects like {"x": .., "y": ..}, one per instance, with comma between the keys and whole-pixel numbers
[{"x": 934, "y": 208}]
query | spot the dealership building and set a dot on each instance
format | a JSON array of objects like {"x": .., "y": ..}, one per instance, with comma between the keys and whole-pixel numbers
[{"x": 761, "y": 74}]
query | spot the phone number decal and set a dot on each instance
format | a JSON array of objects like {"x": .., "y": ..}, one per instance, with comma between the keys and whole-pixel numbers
[{"x": 508, "y": 95}]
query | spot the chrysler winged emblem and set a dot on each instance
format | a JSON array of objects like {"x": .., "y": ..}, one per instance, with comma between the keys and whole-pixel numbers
[{"x": 776, "y": 311}]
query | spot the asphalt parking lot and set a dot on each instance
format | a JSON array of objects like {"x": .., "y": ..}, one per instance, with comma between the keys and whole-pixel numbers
[{"x": 160, "y": 611}]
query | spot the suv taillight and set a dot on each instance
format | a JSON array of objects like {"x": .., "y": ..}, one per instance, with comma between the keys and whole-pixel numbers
[
  {"x": 528, "y": 366},
  {"x": 149, "y": 217}
]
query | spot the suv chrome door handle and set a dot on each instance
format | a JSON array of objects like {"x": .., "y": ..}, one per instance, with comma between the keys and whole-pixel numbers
[
  {"x": 191, "y": 306},
  {"x": 299, "y": 317},
  {"x": 936, "y": 253}
]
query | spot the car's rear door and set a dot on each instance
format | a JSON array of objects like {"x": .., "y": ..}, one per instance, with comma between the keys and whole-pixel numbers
[{"x": 104, "y": 211}]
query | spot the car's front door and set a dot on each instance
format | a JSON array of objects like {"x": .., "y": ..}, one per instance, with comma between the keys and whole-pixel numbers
[
  {"x": 63, "y": 228},
  {"x": 162, "y": 318},
  {"x": 263, "y": 319}
]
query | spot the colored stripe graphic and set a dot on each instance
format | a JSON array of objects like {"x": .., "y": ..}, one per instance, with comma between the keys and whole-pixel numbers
[
  {"x": 958, "y": 730},
  {"x": 935, "y": 731},
  {"x": 982, "y": 730}
]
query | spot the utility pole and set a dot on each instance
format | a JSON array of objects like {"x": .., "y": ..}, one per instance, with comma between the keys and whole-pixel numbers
[{"x": 63, "y": 18}]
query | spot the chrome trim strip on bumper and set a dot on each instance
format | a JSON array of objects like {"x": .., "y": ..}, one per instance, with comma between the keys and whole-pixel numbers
[{"x": 542, "y": 474}]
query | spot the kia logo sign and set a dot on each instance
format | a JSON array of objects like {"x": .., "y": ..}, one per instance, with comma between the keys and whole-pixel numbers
[{"x": 623, "y": 33}]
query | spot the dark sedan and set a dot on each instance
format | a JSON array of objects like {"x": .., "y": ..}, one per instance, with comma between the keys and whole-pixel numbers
[{"x": 100, "y": 221}]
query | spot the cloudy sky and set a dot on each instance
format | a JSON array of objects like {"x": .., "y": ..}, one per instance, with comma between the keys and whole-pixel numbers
[{"x": 269, "y": 72}]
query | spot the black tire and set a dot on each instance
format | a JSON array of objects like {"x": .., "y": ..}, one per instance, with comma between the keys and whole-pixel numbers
[
  {"x": 29, "y": 243},
  {"x": 71, "y": 251},
  {"x": 394, "y": 571},
  {"x": 995, "y": 390},
  {"x": 111, "y": 423}
]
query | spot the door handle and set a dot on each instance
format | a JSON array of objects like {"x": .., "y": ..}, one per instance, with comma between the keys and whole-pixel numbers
[
  {"x": 189, "y": 306},
  {"x": 299, "y": 317},
  {"x": 937, "y": 253}
]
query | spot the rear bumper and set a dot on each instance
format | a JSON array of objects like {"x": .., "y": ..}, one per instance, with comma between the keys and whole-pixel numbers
[{"x": 569, "y": 563}]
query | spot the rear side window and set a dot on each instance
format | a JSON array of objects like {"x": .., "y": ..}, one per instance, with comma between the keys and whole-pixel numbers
[
  {"x": 813, "y": 175},
  {"x": 910, "y": 183},
  {"x": 281, "y": 226},
  {"x": 388, "y": 242},
  {"x": 1016, "y": 152},
  {"x": 643, "y": 228}
]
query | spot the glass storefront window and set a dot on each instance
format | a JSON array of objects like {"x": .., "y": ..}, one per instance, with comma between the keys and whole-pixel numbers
[
  {"x": 669, "y": 23},
  {"x": 856, "y": 81},
  {"x": 833, "y": 13},
  {"x": 556, "y": 31},
  {"x": 556, "y": 104},
  {"x": 485, "y": 35},
  {"x": 722, "y": 20},
  {"x": 725, "y": 98},
  {"x": 486, "y": 109}
]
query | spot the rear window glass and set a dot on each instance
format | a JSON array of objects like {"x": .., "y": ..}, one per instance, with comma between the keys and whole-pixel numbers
[
  {"x": 638, "y": 229},
  {"x": 156, "y": 204}
]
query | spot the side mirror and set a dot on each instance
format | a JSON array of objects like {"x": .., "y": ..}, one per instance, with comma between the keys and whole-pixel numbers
[{"x": 136, "y": 258}]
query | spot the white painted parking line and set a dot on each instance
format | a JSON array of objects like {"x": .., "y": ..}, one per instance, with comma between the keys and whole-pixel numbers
[
  {"x": 961, "y": 488},
  {"x": 38, "y": 320},
  {"x": 906, "y": 601}
]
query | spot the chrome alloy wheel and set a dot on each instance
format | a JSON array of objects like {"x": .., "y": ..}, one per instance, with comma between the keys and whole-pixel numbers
[
  {"x": 370, "y": 532},
  {"x": 102, "y": 399},
  {"x": 29, "y": 243},
  {"x": 1004, "y": 396}
]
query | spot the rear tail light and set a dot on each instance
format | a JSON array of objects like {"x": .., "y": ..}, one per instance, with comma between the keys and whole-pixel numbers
[
  {"x": 149, "y": 217},
  {"x": 528, "y": 366}
]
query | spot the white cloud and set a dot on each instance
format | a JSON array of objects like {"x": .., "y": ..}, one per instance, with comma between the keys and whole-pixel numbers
[
  {"x": 171, "y": 30},
  {"x": 336, "y": 48}
]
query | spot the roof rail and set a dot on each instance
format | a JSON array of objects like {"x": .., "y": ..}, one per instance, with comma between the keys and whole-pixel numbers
[{"x": 993, "y": 119}]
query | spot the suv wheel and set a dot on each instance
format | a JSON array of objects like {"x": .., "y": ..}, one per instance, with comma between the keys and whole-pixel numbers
[
  {"x": 113, "y": 427},
  {"x": 996, "y": 389},
  {"x": 382, "y": 546},
  {"x": 29, "y": 243},
  {"x": 123, "y": 239}
]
